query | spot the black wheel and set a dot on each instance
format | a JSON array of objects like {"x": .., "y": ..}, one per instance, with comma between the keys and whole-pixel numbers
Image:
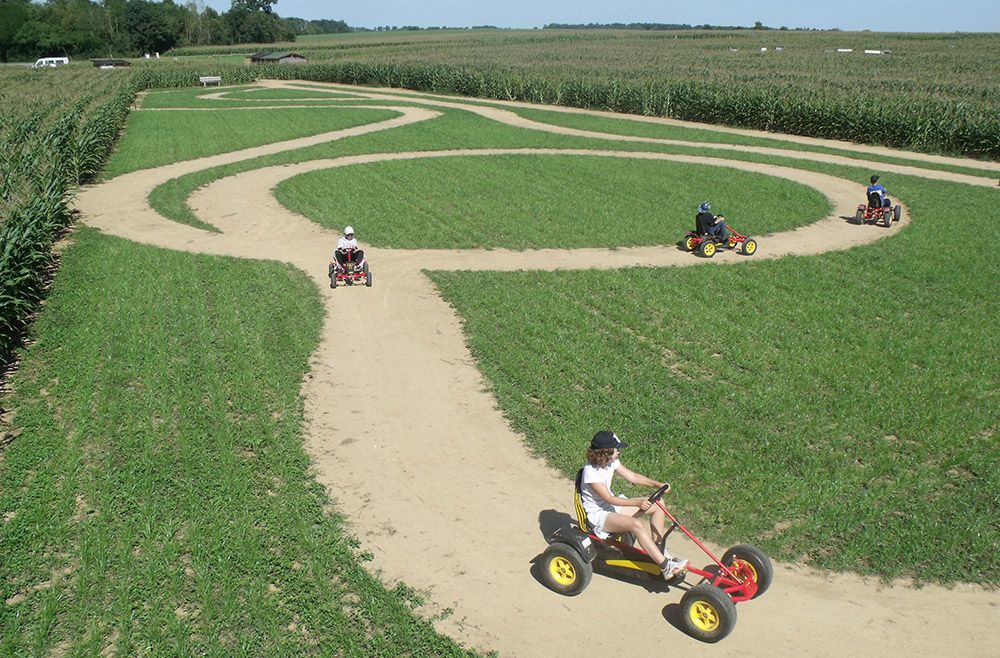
[
  {"x": 897, "y": 214},
  {"x": 751, "y": 561},
  {"x": 564, "y": 570},
  {"x": 859, "y": 217},
  {"x": 887, "y": 217},
  {"x": 749, "y": 247},
  {"x": 706, "y": 249},
  {"x": 707, "y": 613},
  {"x": 368, "y": 276}
]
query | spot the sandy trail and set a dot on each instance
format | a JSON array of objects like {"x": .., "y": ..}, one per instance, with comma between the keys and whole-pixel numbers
[{"x": 438, "y": 487}]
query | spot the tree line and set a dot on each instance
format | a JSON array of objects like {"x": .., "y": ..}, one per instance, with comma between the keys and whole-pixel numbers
[{"x": 130, "y": 28}]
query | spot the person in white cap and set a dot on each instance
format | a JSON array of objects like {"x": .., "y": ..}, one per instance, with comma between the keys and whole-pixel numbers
[{"x": 608, "y": 513}]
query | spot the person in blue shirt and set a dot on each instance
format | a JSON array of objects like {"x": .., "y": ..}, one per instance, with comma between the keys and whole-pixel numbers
[
  {"x": 876, "y": 189},
  {"x": 709, "y": 224}
]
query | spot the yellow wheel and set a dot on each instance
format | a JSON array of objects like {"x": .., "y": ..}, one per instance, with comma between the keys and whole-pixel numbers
[
  {"x": 564, "y": 570},
  {"x": 689, "y": 243},
  {"x": 707, "y": 249},
  {"x": 749, "y": 246},
  {"x": 708, "y": 614}
]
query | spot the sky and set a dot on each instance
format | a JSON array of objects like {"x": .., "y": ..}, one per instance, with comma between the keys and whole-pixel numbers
[{"x": 848, "y": 15}]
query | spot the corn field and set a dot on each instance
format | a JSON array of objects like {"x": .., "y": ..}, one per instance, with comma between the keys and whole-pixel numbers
[
  {"x": 52, "y": 138},
  {"x": 928, "y": 92}
]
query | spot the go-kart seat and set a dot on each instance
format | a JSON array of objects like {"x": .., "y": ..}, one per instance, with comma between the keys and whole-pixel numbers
[
  {"x": 581, "y": 514},
  {"x": 874, "y": 200}
]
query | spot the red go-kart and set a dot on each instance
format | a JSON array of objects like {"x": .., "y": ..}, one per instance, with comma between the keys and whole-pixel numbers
[
  {"x": 708, "y": 609},
  {"x": 875, "y": 212},
  {"x": 706, "y": 245},
  {"x": 349, "y": 266}
]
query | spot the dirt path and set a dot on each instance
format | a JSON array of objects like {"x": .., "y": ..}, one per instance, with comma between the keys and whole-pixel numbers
[{"x": 440, "y": 489}]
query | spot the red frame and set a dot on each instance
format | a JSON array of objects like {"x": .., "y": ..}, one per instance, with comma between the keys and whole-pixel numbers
[
  {"x": 875, "y": 212},
  {"x": 697, "y": 239},
  {"x": 343, "y": 275},
  {"x": 728, "y": 580}
]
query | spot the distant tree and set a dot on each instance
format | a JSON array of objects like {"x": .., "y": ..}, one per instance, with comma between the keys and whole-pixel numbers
[
  {"x": 72, "y": 27},
  {"x": 14, "y": 14},
  {"x": 116, "y": 39},
  {"x": 245, "y": 26},
  {"x": 326, "y": 26},
  {"x": 302, "y": 26},
  {"x": 265, "y": 6},
  {"x": 152, "y": 27}
]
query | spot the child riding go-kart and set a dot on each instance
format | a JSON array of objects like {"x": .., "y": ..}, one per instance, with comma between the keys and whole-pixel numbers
[
  {"x": 349, "y": 266},
  {"x": 879, "y": 208},
  {"x": 708, "y": 609},
  {"x": 711, "y": 233},
  {"x": 875, "y": 212}
]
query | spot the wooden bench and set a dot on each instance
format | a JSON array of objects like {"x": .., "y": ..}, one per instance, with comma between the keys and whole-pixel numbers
[{"x": 206, "y": 80}]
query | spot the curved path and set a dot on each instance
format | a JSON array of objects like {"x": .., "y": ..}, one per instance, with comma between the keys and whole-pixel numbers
[{"x": 435, "y": 483}]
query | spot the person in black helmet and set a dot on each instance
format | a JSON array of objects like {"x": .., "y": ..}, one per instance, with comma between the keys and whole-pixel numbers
[
  {"x": 708, "y": 224},
  {"x": 876, "y": 190},
  {"x": 608, "y": 513}
]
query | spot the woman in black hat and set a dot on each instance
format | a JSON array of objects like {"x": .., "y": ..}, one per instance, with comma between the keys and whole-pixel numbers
[{"x": 610, "y": 514}]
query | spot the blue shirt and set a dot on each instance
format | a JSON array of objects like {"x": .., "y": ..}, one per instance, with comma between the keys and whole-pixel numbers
[{"x": 877, "y": 188}]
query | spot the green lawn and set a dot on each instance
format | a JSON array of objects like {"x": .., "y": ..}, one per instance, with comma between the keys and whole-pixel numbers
[
  {"x": 837, "y": 409},
  {"x": 532, "y": 201},
  {"x": 158, "y": 498}
]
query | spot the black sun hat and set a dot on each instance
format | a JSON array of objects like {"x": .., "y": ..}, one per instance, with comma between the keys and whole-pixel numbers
[{"x": 607, "y": 440}]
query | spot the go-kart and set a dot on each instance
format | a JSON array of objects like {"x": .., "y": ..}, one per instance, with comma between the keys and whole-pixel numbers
[
  {"x": 347, "y": 268},
  {"x": 876, "y": 212},
  {"x": 708, "y": 609},
  {"x": 706, "y": 244}
]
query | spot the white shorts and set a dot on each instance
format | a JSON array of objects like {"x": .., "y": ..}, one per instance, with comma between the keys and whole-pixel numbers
[{"x": 597, "y": 519}]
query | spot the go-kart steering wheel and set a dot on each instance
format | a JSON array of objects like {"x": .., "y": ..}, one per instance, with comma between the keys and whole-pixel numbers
[{"x": 658, "y": 494}]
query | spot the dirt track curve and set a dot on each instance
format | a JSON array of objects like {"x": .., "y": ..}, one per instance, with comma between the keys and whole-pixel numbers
[{"x": 474, "y": 506}]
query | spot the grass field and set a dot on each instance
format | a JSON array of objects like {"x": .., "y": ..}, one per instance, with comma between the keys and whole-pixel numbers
[
  {"x": 523, "y": 202},
  {"x": 832, "y": 408},
  {"x": 842, "y": 406},
  {"x": 158, "y": 498}
]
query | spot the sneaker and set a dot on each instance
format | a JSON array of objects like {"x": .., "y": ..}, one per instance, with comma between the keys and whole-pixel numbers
[{"x": 672, "y": 566}]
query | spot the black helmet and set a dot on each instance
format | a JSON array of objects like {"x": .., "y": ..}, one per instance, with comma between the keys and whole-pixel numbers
[{"x": 874, "y": 179}]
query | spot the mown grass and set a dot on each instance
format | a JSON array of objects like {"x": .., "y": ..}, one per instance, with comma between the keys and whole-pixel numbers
[
  {"x": 158, "y": 499},
  {"x": 828, "y": 328},
  {"x": 236, "y": 97},
  {"x": 838, "y": 409},
  {"x": 626, "y": 126},
  {"x": 152, "y": 138},
  {"x": 532, "y": 201}
]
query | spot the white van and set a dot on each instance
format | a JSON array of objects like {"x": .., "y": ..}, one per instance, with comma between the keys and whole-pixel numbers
[{"x": 50, "y": 61}]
